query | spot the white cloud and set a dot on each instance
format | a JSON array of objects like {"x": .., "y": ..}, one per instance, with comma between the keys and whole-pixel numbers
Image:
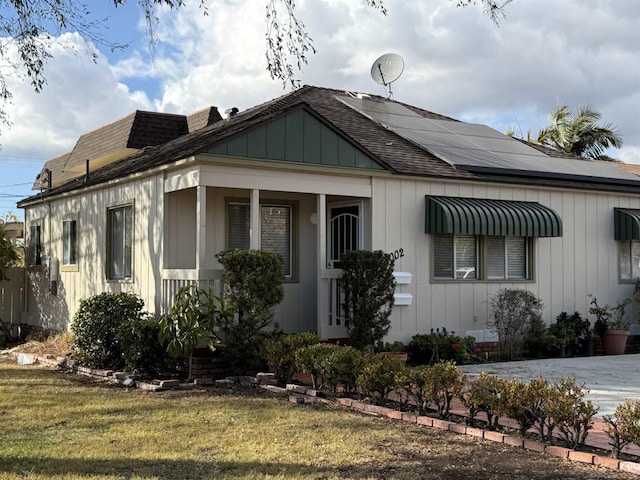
[{"x": 80, "y": 95}]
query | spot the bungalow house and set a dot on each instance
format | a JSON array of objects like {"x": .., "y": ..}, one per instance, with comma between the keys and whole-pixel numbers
[{"x": 145, "y": 203}]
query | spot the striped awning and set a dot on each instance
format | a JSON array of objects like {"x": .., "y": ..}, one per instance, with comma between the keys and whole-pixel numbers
[
  {"x": 479, "y": 216},
  {"x": 626, "y": 223}
]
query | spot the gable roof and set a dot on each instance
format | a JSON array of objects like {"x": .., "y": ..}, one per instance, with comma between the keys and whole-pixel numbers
[
  {"x": 119, "y": 139},
  {"x": 395, "y": 153}
]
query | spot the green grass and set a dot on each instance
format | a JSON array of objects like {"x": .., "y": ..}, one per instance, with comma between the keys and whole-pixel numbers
[{"x": 61, "y": 426}]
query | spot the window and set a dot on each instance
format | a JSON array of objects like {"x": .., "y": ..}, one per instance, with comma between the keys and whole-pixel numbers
[
  {"x": 120, "y": 242},
  {"x": 69, "y": 242},
  {"x": 275, "y": 230},
  {"x": 472, "y": 257},
  {"x": 629, "y": 259},
  {"x": 35, "y": 244}
]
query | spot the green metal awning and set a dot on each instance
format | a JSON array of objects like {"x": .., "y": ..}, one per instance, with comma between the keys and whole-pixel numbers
[
  {"x": 626, "y": 224},
  {"x": 479, "y": 216}
]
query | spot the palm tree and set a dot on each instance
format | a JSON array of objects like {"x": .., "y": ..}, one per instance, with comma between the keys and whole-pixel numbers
[{"x": 579, "y": 134}]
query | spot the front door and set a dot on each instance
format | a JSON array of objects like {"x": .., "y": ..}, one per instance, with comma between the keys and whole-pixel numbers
[
  {"x": 344, "y": 235},
  {"x": 344, "y": 232}
]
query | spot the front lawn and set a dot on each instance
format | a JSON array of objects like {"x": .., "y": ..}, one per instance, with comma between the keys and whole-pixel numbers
[{"x": 61, "y": 426}]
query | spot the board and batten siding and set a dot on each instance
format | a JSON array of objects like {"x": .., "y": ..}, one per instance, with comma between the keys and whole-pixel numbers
[
  {"x": 565, "y": 269},
  {"x": 90, "y": 211}
]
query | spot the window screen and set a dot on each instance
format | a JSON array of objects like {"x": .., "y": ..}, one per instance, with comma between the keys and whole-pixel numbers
[
  {"x": 121, "y": 242},
  {"x": 69, "y": 242}
]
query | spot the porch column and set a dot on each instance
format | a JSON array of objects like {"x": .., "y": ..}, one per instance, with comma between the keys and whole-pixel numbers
[
  {"x": 254, "y": 220},
  {"x": 201, "y": 226},
  {"x": 322, "y": 291}
]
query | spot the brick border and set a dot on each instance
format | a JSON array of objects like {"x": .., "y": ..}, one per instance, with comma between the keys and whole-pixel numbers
[
  {"x": 301, "y": 395},
  {"x": 511, "y": 440}
]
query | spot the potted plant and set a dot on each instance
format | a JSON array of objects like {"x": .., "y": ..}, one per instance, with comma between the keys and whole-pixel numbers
[
  {"x": 562, "y": 334},
  {"x": 611, "y": 325},
  {"x": 583, "y": 335}
]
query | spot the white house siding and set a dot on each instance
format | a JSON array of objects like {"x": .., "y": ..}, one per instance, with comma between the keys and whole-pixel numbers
[
  {"x": 566, "y": 269},
  {"x": 90, "y": 208}
]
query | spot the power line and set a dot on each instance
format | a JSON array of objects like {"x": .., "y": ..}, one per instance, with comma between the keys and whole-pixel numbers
[{"x": 16, "y": 185}]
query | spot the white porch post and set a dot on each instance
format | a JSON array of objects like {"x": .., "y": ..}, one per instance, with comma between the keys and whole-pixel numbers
[
  {"x": 201, "y": 227},
  {"x": 322, "y": 304},
  {"x": 254, "y": 229}
]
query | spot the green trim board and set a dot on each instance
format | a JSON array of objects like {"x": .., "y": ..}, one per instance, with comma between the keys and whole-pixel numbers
[
  {"x": 297, "y": 137},
  {"x": 479, "y": 216},
  {"x": 626, "y": 223}
]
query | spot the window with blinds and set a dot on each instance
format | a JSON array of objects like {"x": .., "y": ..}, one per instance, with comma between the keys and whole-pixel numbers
[
  {"x": 455, "y": 257},
  {"x": 120, "y": 235},
  {"x": 276, "y": 234},
  {"x": 69, "y": 242},
  {"x": 470, "y": 257},
  {"x": 629, "y": 259}
]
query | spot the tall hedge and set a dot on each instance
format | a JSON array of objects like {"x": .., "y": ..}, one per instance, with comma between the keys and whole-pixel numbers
[
  {"x": 253, "y": 287},
  {"x": 368, "y": 285}
]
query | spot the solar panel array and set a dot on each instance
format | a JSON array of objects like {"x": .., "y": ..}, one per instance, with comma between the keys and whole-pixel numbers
[{"x": 479, "y": 148}]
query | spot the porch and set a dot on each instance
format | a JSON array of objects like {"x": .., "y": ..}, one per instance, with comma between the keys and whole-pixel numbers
[{"x": 310, "y": 223}]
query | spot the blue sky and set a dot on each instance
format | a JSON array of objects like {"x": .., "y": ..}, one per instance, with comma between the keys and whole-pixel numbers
[{"x": 457, "y": 62}]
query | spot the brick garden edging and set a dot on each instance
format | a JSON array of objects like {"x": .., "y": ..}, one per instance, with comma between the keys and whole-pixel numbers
[
  {"x": 301, "y": 395},
  {"x": 507, "y": 439}
]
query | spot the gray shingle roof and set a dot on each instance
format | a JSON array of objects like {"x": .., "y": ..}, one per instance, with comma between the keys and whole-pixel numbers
[{"x": 395, "y": 153}]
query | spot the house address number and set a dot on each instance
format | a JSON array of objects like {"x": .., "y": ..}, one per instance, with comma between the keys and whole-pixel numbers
[{"x": 396, "y": 254}]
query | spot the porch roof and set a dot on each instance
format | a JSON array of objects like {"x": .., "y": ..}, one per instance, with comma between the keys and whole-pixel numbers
[
  {"x": 626, "y": 224},
  {"x": 474, "y": 216}
]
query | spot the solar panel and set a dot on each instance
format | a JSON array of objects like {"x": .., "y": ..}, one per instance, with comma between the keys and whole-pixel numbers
[{"x": 476, "y": 147}]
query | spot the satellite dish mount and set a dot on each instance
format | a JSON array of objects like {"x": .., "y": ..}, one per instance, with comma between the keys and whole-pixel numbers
[{"x": 386, "y": 70}]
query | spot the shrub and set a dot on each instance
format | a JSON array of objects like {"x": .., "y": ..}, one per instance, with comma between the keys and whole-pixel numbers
[
  {"x": 96, "y": 324},
  {"x": 309, "y": 360},
  {"x": 142, "y": 351},
  {"x": 520, "y": 403},
  {"x": 377, "y": 379},
  {"x": 368, "y": 285},
  {"x": 539, "y": 406},
  {"x": 623, "y": 427},
  {"x": 485, "y": 393},
  {"x": 512, "y": 311},
  {"x": 253, "y": 287},
  {"x": 444, "y": 382},
  {"x": 342, "y": 367},
  {"x": 572, "y": 415},
  {"x": 440, "y": 346},
  {"x": 280, "y": 353}
]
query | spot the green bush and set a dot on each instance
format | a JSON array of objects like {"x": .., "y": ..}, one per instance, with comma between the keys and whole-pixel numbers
[
  {"x": 378, "y": 377},
  {"x": 280, "y": 353},
  {"x": 95, "y": 327},
  {"x": 142, "y": 351},
  {"x": 342, "y": 367},
  {"x": 368, "y": 285},
  {"x": 623, "y": 428},
  {"x": 572, "y": 415},
  {"x": 253, "y": 288},
  {"x": 521, "y": 400},
  {"x": 309, "y": 360},
  {"x": 440, "y": 346},
  {"x": 485, "y": 393}
]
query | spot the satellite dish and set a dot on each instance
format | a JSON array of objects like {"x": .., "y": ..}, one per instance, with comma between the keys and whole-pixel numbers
[{"x": 387, "y": 69}]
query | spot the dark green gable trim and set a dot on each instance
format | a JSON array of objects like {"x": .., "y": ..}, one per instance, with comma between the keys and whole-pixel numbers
[
  {"x": 476, "y": 216},
  {"x": 297, "y": 137},
  {"x": 626, "y": 224}
]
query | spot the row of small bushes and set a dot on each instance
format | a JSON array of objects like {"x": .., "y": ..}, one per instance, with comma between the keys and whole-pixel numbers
[{"x": 549, "y": 408}]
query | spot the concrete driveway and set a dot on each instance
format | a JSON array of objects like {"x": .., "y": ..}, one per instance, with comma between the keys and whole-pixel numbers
[{"x": 610, "y": 379}]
